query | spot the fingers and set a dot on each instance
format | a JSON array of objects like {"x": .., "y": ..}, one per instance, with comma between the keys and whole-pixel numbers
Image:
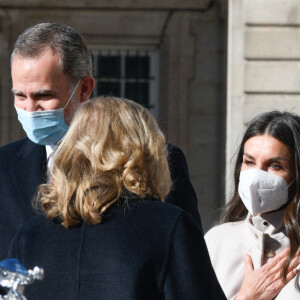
[
  {"x": 292, "y": 271},
  {"x": 272, "y": 269},
  {"x": 295, "y": 261},
  {"x": 281, "y": 256},
  {"x": 277, "y": 268},
  {"x": 291, "y": 274},
  {"x": 293, "y": 267},
  {"x": 277, "y": 262},
  {"x": 248, "y": 263}
]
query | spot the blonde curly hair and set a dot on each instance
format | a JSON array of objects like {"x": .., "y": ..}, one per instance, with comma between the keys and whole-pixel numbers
[{"x": 112, "y": 146}]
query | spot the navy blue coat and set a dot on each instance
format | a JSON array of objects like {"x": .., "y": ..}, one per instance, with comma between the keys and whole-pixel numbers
[
  {"x": 143, "y": 250},
  {"x": 23, "y": 167}
]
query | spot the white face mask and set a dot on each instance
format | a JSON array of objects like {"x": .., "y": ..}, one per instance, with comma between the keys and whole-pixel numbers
[{"x": 262, "y": 191}]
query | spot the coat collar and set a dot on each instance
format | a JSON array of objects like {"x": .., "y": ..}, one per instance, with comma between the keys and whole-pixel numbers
[
  {"x": 269, "y": 223},
  {"x": 267, "y": 235}
]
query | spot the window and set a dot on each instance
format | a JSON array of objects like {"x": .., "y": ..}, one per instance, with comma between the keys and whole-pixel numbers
[{"x": 128, "y": 73}]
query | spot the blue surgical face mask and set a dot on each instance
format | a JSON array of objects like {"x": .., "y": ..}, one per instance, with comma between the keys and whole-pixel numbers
[{"x": 45, "y": 127}]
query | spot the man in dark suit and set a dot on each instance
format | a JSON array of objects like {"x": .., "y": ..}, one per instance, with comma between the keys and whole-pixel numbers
[{"x": 51, "y": 75}]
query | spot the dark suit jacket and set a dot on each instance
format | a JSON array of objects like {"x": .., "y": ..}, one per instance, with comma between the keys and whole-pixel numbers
[
  {"x": 23, "y": 168},
  {"x": 143, "y": 250}
]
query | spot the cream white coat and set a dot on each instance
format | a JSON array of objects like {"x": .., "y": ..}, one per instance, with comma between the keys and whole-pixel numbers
[{"x": 228, "y": 242}]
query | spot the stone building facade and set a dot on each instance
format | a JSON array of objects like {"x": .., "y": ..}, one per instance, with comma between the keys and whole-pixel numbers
[
  {"x": 187, "y": 40},
  {"x": 263, "y": 65},
  {"x": 211, "y": 72}
]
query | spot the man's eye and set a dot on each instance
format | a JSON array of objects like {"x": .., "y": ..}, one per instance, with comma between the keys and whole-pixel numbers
[
  {"x": 19, "y": 96},
  {"x": 45, "y": 96}
]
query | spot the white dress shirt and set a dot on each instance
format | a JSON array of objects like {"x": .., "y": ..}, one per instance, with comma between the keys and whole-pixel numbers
[{"x": 49, "y": 151}]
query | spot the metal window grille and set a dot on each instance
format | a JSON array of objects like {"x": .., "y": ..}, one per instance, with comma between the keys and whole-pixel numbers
[{"x": 129, "y": 73}]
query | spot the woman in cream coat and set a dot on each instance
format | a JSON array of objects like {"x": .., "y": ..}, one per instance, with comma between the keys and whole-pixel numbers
[{"x": 255, "y": 251}]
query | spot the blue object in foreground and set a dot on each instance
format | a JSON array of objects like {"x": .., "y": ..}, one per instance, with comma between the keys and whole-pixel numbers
[
  {"x": 14, "y": 277},
  {"x": 13, "y": 265}
]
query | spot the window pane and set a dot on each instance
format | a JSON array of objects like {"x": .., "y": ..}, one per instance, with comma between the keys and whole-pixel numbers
[
  {"x": 109, "y": 88},
  {"x": 138, "y": 91},
  {"x": 137, "y": 66},
  {"x": 109, "y": 66}
]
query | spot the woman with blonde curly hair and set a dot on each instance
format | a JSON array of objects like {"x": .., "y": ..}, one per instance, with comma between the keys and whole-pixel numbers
[{"x": 107, "y": 233}]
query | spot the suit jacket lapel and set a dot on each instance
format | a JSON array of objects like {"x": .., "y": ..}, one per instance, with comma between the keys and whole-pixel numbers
[{"x": 29, "y": 171}]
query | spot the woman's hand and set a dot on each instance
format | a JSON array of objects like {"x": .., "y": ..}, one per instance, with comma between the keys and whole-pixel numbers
[{"x": 265, "y": 283}]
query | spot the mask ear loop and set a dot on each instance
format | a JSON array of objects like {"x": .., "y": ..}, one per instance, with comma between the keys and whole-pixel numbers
[
  {"x": 291, "y": 183},
  {"x": 290, "y": 198},
  {"x": 72, "y": 94}
]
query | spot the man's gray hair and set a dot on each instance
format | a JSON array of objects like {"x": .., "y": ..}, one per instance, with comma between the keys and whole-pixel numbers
[{"x": 64, "y": 41}]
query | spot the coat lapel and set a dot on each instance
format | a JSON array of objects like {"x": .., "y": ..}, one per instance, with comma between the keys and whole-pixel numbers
[{"x": 29, "y": 171}]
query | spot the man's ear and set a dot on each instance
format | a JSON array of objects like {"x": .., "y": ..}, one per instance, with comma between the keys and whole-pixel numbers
[{"x": 86, "y": 87}]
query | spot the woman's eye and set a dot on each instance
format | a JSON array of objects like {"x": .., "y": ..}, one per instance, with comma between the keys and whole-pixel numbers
[
  {"x": 276, "y": 166},
  {"x": 248, "y": 162}
]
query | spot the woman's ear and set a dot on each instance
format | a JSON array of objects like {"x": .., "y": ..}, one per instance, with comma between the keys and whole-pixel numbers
[{"x": 86, "y": 88}]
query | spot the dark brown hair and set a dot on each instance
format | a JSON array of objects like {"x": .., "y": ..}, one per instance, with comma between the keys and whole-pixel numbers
[{"x": 63, "y": 40}]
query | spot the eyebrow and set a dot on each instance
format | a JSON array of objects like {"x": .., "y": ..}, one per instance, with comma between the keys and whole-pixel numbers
[
  {"x": 16, "y": 92},
  {"x": 36, "y": 93},
  {"x": 43, "y": 92},
  {"x": 271, "y": 159}
]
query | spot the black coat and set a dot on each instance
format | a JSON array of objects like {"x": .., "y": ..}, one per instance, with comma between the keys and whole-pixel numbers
[
  {"x": 23, "y": 167},
  {"x": 143, "y": 250}
]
